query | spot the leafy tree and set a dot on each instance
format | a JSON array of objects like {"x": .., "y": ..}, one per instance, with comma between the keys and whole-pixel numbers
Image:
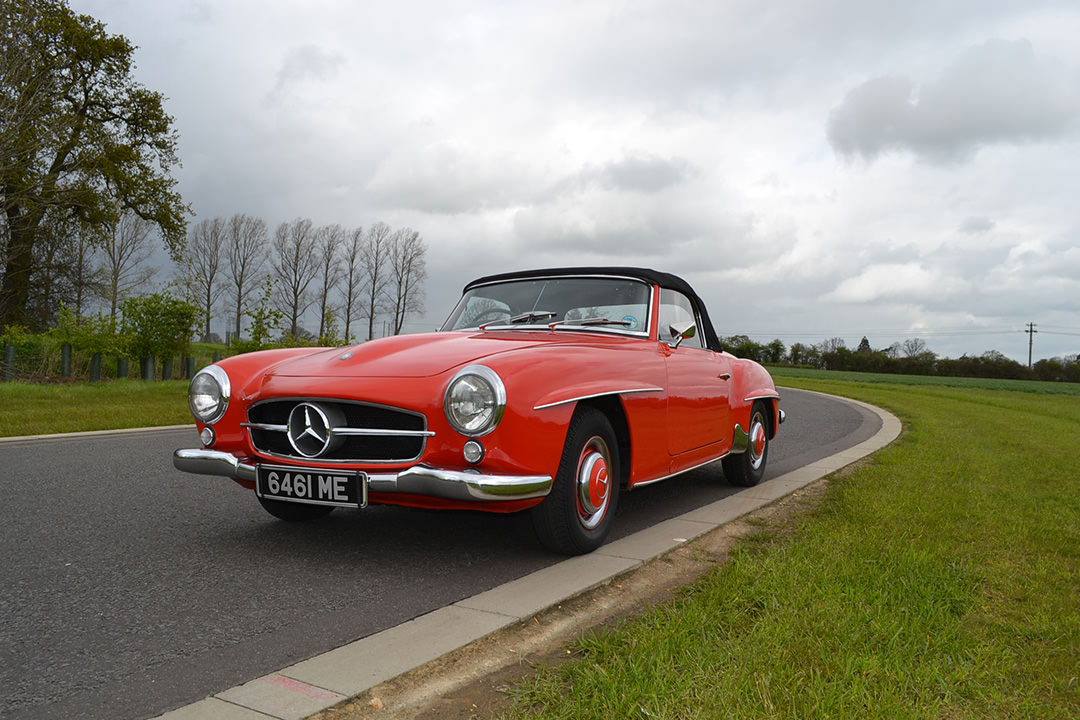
[
  {"x": 265, "y": 320},
  {"x": 78, "y": 138},
  {"x": 157, "y": 325}
]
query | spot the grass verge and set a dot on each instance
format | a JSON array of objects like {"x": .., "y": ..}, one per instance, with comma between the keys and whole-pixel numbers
[
  {"x": 940, "y": 579},
  {"x": 30, "y": 409}
]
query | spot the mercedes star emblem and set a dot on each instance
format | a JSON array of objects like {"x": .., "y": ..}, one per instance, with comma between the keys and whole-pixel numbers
[{"x": 309, "y": 430}]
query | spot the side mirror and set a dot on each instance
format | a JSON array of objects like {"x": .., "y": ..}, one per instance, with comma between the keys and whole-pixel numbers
[{"x": 682, "y": 330}]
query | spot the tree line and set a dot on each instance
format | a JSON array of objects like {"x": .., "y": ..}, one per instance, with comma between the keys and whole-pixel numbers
[
  {"x": 911, "y": 357},
  {"x": 346, "y": 275}
]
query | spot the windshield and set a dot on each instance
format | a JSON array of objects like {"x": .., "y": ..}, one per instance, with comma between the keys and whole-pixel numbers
[{"x": 620, "y": 304}]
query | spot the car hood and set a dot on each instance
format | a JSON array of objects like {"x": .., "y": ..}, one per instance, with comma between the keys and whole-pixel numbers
[{"x": 422, "y": 355}]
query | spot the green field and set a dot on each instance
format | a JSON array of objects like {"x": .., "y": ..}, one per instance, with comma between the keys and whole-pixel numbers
[
  {"x": 938, "y": 580},
  {"x": 30, "y": 409}
]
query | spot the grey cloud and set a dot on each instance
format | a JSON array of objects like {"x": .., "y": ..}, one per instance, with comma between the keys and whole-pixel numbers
[
  {"x": 645, "y": 174},
  {"x": 997, "y": 92},
  {"x": 976, "y": 225},
  {"x": 304, "y": 63}
]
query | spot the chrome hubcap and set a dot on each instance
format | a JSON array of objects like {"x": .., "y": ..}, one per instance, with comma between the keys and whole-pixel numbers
[
  {"x": 593, "y": 482},
  {"x": 758, "y": 441}
]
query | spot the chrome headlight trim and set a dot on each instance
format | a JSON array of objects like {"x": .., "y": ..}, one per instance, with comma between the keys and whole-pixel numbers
[
  {"x": 475, "y": 400},
  {"x": 208, "y": 394}
]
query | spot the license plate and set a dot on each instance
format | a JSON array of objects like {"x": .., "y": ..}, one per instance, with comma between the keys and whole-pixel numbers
[{"x": 347, "y": 488}]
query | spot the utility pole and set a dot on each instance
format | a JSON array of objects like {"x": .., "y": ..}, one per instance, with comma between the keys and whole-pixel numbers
[{"x": 1031, "y": 338}]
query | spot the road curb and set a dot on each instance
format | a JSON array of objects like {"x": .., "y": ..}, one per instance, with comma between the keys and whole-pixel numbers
[
  {"x": 97, "y": 433},
  {"x": 308, "y": 687}
]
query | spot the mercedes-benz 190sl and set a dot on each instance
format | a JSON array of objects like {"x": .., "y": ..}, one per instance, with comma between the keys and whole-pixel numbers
[{"x": 548, "y": 391}]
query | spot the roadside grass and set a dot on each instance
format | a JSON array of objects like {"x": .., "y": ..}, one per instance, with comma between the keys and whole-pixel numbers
[
  {"x": 781, "y": 372},
  {"x": 32, "y": 409},
  {"x": 939, "y": 579}
]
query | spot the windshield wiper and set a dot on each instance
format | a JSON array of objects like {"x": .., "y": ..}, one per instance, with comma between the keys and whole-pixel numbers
[
  {"x": 532, "y": 316},
  {"x": 593, "y": 321}
]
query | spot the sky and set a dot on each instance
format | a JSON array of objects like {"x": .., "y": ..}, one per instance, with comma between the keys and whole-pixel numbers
[{"x": 814, "y": 168}]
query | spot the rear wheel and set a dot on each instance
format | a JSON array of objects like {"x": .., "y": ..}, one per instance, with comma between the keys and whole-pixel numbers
[
  {"x": 295, "y": 512},
  {"x": 747, "y": 468},
  {"x": 576, "y": 516}
]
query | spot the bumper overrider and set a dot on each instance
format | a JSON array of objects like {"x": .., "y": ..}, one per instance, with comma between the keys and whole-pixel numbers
[{"x": 417, "y": 480}]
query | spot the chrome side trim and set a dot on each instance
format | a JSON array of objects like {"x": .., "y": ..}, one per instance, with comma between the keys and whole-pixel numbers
[
  {"x": 645, "y": 483},
  {"x": 599, "y": 394},
  {"x": 417, "y": 480}
]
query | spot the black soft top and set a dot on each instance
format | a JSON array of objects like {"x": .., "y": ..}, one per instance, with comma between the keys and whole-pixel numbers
[{"x": 653, "y": 277}]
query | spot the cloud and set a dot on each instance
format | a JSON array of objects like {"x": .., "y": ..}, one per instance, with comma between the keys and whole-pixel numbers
[
  {"x": 996, "y": 92},
  {"x": 976, "y": 225},
  {"x": 906, "y": 282},
  {"x": 305, "y": 64}
]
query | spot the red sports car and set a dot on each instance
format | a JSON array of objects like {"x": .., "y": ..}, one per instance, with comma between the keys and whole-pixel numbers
[{"x": 550, "y": 391}]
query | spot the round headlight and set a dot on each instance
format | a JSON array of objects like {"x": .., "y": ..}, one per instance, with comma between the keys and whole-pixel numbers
[
  {"x": 475, "y": 401},
  {"x": 208, "y": 394}
]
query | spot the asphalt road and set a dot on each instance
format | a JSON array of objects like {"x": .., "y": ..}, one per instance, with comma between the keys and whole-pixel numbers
[{"x": 128, "y": 588}]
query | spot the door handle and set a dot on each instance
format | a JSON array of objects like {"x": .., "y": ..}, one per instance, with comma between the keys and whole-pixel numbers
[{"x": 724, "y": 376}]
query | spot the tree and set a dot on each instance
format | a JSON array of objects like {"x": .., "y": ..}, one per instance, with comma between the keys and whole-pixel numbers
[
  {"x": 913, "y": 347},
  {"x": 353, "y": 276},
  {"x": 202, "y": 262},
  {"x": 126, "y": 251},
  {"x": 245, "y": 245},
  {"x": 157, "y": 325},
  {"x": 864, "y": 346},
  {"x": 295, "y": 265},
  {"x": 78, "y": 138},
  {"x": 374, "y": 259},
  {"x": 328, "y": 243},
  {"x": 408, "y": 270}
]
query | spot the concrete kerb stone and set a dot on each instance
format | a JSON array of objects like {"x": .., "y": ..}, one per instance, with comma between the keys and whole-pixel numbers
[{"x": 357, "y": 667}]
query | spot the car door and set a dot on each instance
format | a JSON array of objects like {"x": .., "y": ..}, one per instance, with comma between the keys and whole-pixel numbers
[{"x": 698, "y": 381}]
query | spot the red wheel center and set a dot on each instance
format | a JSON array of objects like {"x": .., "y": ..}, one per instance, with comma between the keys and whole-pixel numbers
[
  {"x": 759, "y": 440},
  {"x": 598, "y": 483}
]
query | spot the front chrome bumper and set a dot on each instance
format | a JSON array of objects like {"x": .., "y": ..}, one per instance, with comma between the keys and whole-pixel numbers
[{"x": 417, "y": 480}]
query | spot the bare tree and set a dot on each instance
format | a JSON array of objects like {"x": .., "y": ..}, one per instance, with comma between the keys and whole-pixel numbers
[
  {"x": 374, "y": 260},
  {"x": 126, "y": 250},
  {"x": 296, "y": 264},
  {"x": 203, "y": 261},
  {"x": 86, "y": 274},
  {"x": 245, "y": 246},
  {"x": 329, "y": 240},
  {"x": 408, "y": 270},
  {"x": 913, "y": 347},
  {"x": 353, "y": 276}
]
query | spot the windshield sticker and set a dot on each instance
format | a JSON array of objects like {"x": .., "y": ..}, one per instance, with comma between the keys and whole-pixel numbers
[{"x": 631, "y": 322}]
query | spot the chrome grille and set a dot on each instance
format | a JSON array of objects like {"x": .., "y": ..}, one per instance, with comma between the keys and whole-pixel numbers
[{"x": 363, "y": 432}]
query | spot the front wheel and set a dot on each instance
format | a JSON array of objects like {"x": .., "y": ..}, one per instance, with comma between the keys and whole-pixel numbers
[
  {"x": 295, "y": 512},
  {"x": 576, "y": 516},
  {"x": 747, "y": 468}
]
